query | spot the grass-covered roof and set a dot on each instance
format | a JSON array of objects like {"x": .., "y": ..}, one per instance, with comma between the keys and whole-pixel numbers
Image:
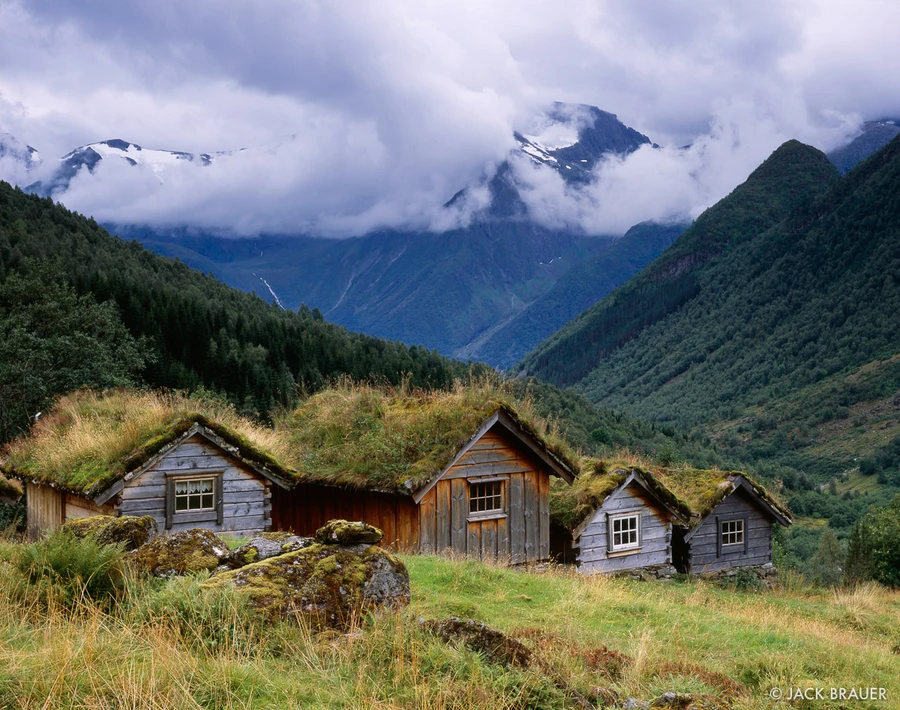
[
  {"x": 90, "y": 440},
  {"x": 692, "y": 493},
  {"x": 703, "y": 490},
  {"x": 351, "y": 435},
  {"x": 572, "y": 505},
  {"x": 400, "y": 439}
]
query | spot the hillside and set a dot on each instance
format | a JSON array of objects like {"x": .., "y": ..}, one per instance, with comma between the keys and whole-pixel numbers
[
  {"x": 175, "y": 644},
  {"x": 438, "y": 289},
  {"x": 577, "y": 289},
  {"x": 785, "y": 349},
  {"x": 792, "y": 176},
  {"x": 198, "y": 330}
]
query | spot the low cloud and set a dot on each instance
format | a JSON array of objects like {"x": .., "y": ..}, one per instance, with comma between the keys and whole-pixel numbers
[{"x": 362, "y": 116}]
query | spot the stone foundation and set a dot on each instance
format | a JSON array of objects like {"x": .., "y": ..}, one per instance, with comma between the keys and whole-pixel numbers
[
  {"x": 765, "y": 575},
  {"x": 663, "y": 573}
]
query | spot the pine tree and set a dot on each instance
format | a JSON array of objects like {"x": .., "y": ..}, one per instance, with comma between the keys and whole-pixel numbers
[{"x": 828, "y": 562}]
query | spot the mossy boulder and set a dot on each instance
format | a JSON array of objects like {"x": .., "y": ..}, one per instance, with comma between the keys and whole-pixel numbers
[
  {"x": 263, "y": 547},
  {"x": 493, "y": 644},
  {"x": 344, "y": 532},
  {"x": 129, "y": 531},
  {"x": 179, "y": 553},
  {"x": 327, "y": 583}
]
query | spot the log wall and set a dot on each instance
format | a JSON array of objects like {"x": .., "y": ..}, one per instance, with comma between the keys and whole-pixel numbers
[
  {"x": 655, "y": 534},
  {"x": 704, "y": 552},
  {"x": 246, "y": 496}
]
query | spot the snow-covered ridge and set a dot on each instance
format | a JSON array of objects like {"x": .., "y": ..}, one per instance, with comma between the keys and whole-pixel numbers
[{"x": 136, "y": 155}]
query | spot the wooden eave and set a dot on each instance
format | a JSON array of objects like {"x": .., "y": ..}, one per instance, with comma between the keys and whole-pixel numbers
[
  {"x": 513, "y": 427},
  {"x": 741, "y": 483},
  {"x": 211, "y": 437}
]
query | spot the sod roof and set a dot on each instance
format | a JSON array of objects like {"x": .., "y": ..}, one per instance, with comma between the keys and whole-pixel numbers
[
  {"x": 89, "y": 440},
  {"x": 398, "y": 441},
  {"x": 354, "y": 436},
  {"x": 571, "y": 505},
  {"x": 692, "y": 493},
  {"x": 703, "y": 490}
]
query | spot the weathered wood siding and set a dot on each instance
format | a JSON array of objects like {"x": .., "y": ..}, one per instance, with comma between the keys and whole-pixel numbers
[
  {"x": 308, "y": 507},
  {"x": 48, "y": 508},
  {"x": 703, "y": 550},
  {"x": 246, "y": 496},
  {"x": 45, "y": 509},
  {"x": 520, "y": 534},
  {"x": 593, "y": 554},
  {"x": 78, "y": 507}
]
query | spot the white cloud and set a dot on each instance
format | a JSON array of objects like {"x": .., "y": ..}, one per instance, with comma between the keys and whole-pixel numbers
[{"x": 394, "y": 105}]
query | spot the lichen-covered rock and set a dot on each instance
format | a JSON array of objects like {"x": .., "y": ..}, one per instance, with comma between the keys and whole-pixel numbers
[
  {"x": 263, "y": 547},
  {"x": 178, "y": 553},
  {"x": 328, "y": 583},
  {"x": 689, "y": 701},
  {"x": 344, "y": 532},
  {"x": 128, "y": 530}
]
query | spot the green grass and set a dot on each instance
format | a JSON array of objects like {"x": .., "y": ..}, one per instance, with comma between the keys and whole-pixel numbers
[{"x": 170, "y": 644}]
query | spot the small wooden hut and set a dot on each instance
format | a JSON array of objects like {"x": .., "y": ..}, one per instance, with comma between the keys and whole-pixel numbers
[
  {"x": 122, "y": 455},
  {"x": 624, "y": 521},
  {"x": 731, "y": 523},
  {"x": 437, "y": 475}
]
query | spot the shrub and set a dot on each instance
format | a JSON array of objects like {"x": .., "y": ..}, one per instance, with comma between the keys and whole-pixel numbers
[{"x": 65, "y": 569}]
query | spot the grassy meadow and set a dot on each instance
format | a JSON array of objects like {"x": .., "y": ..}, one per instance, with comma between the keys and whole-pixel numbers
[{"x": 170, "y": 644}]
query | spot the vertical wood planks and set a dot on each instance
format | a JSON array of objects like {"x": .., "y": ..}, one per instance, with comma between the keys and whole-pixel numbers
[
  {"x": 489, "y": 540},
  {"x": 517, "y": 518},
  {"x": 442, "y": 516},
  {"x": 458, "y": 515},
  {"x": 427, "y": 523},
  {"x": 503, "y": 549},
  {"x": 544, "y": 515},
  {"x": 531, "y": 517}
]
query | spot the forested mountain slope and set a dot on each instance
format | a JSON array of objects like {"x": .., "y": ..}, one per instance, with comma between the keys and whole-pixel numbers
[
  {"x": 792, "y": 176},
  {"x": 789, "y": 339},
  {"x": 200, "y": 331},
  {"x": 579, "y": 288}
]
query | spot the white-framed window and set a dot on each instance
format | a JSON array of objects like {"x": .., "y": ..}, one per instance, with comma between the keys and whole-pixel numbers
[
  {"x": 733, "y": 532},
  {"x": 624, "y": 532},
  {"x": 195, "y": 494},
  {"x": 486, "y": 498},
  {"x": 194, "y": 499}
]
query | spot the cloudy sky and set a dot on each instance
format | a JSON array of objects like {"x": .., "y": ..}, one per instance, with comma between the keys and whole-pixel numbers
[{"x": 366, "y": 114}]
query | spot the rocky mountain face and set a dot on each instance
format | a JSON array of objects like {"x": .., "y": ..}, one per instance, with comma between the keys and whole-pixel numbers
[
  {"x": 873, "y": 136},
  {"x": 442, "y": 290}
]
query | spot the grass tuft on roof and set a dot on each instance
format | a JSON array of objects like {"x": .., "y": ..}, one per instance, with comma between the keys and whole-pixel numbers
[
  {"x": 691, "y": 492},
  {"x": 397, "y": 439},
  {"x": 703, "y": 490},
  {"x": 352, "y": 434},
  {"x": 91, "y": 439}
]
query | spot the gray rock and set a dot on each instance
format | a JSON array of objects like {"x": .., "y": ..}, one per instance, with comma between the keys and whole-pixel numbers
[
  {"x": 262, "y": 548},
  {"x": 344, "y": 532}
]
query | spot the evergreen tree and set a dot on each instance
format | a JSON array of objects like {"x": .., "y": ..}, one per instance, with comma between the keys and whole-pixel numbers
[
  {"x": 828, "y": 562},
  {"x": 858, "y": 567}
]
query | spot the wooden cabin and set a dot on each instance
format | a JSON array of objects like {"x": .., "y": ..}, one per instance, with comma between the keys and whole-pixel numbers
[
  {"x": 198, "y": 475},
  {"x": 631, "y": 526},
  {"x": 731, "y": 528},
  {"x": 437, "y": 472},
  {"x": 490, "y": 499}
]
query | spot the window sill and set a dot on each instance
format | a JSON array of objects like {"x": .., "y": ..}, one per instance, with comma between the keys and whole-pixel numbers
[
  {"x": 478, "y": 517},
  {"x": 196, "y": 516},
  {"x": 623, "y": 553}
]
